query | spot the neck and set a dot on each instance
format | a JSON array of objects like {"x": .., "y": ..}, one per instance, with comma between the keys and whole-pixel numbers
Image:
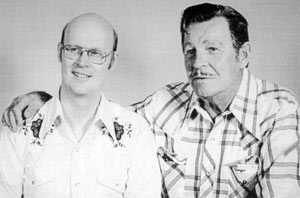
[{"x": 79, "y": 110}]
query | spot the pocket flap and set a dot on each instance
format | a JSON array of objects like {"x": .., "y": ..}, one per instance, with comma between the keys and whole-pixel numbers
[
  {"x": 114, "y": 183},
  {"x": 38, "y": 176}
]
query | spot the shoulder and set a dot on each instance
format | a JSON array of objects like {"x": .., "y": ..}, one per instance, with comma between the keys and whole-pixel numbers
[
  {"x": 275, "y": 101},
  {"x": 278, "y": 111},
  {"x": 276, "y": 94},
  {"x": 36, "y": 127}
]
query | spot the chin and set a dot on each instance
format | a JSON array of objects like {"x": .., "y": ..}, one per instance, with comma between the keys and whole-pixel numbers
[
  {"x": 202, "y": 92},
  {"x": 80, "y": 91}
]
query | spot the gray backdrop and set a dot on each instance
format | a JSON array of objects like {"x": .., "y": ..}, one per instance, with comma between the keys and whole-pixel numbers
[{"x": 149, "y": 43}]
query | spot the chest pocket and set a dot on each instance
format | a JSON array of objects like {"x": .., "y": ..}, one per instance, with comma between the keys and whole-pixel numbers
[
  {"x": 243, "y": 176},
  {"x": 38, "y": 182},
  {"x": 112, "y": 180},
  {"x": 111, "y": 185}
]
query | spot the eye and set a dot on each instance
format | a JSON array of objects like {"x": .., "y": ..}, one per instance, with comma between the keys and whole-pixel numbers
[
  {"x": 190, "y": 52},
  {"x": 73, "y": 49},
  {"x": 212, "y": 49},
  {"x": 95, "y": 53}
]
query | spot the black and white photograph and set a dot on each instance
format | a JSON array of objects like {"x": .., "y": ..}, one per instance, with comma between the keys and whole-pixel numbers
[{"x": 151, "y": 99}]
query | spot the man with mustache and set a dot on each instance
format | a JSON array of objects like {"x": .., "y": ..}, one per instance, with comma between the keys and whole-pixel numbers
[
  {"x": 225, "y": 133},
  {"x": 79, "y": 144}
]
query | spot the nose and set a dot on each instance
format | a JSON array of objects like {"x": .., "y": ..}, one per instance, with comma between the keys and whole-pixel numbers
[
  {"x": 83, "y": 59},
  {"x": 200, "y": 60}
]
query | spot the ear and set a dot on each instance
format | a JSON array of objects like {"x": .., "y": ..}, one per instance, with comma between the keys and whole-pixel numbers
[
  {"x": 244, "y": 54},
  {"x": 59, "y": 52},
  {"x": 114, "y": 60}
]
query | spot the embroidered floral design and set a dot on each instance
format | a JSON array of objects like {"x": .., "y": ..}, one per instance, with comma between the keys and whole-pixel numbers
[
  {"x": 119, "y": 130},
  {"x": 128, "y": 128},
  {"x": 36, "y": 127},
  {"x": 122, "y": 130}
]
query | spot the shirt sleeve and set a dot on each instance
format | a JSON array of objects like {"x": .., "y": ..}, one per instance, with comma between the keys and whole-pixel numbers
[
  {"x": 144, "y": 178},
  {"x": 145, "y": 109},
  {"x": 11, "y": 164},
  {"x": 280, "y": 152}
]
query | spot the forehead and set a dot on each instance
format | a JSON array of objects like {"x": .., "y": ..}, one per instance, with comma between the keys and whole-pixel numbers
[
  {"x": 216, "y": 29},
  {"x": 89, "y": 34}
]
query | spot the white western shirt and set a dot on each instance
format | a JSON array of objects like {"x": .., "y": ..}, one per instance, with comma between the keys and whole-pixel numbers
[{"x": 115, "y": 158}]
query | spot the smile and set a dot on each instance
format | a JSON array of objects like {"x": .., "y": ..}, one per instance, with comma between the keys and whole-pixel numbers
[{"x": 80, "y": 75}]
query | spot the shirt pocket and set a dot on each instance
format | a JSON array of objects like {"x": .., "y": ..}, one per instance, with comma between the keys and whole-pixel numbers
[
  {"x": 242, "y": 176},
  {"x": 172, "y": 170},
  {"x": 112, "y": 183},
  {"x": 38, "y": 182}
]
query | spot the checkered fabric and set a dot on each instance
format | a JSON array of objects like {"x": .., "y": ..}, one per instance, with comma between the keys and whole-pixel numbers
[{"x": 250, "y": 150}]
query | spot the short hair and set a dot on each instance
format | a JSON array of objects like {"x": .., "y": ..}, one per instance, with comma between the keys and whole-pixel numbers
[
  {"x": 238, "y": 25},
  {"x": 115, "y": 45}
]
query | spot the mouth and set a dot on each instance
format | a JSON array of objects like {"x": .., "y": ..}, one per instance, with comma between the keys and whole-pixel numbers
[
  {"x": 203, "y": 75},
  {"x": 81, "y": 75}
]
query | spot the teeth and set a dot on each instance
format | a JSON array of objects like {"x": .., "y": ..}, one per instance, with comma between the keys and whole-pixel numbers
[{"x": 80, "y": 75}]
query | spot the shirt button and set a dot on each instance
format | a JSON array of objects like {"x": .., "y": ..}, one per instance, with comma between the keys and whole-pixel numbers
[
  {"x": 77, "y": 184},
  {"x": 212, "y": 139},
  {"x": 32, "y": 182},
  {"x": 207, "y": 174}
]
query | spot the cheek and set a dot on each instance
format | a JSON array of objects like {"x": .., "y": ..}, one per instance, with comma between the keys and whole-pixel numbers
[
  {"x": 188, "y": 65},
  {"x": 101, "y": 73}
]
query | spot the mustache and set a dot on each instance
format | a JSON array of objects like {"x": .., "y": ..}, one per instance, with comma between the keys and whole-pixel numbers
[{"x": 199, "y": 74}]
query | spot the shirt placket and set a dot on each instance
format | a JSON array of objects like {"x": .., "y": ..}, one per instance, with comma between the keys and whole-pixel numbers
[
  {"x": 199, "y": 165},
  {"x": 77, "y": 159},
  {"x": 211, "y": 160}
]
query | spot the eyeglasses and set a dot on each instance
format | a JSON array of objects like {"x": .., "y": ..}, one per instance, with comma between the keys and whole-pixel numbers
[{"x": 74, "y": 52}]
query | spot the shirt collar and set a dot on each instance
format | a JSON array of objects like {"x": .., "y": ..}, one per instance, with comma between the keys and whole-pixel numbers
[
  {"x": 105, "y": 114},
  {"x": 54, "y": 111},
  {"x": 244, "y": 104}
]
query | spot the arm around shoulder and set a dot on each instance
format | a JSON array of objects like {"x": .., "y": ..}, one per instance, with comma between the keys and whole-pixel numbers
[{"x": 23, "y": 107}]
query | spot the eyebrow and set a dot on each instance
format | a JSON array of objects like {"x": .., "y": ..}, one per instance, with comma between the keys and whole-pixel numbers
[
  {"x": 96, "y": 49},
  {"x": 215, "y": 42},
  {"x": 185, "y": 44}
]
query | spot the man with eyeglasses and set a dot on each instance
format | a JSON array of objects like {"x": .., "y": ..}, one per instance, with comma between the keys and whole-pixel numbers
[{"x": 79, "y": 144}]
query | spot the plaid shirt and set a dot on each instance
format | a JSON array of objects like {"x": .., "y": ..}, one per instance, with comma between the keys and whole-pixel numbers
[{"x": 250, "y": 150}]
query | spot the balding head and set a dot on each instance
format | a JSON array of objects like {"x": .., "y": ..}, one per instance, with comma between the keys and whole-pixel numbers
[{"x": 92, "y": 26}]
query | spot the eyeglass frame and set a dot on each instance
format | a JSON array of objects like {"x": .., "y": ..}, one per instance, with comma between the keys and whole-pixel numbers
[{"x": 62, "y": 46}]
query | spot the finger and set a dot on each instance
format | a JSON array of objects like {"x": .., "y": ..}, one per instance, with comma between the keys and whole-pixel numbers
[
  {"x": 3, "y": 118},
  {"x": 12, "y": 120},
  {"x": 18, "y": 106},
  {"x": 17, "y": 116},
  {"x": 6, "y": 118},
  {"x": 31, "y": 110}
]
